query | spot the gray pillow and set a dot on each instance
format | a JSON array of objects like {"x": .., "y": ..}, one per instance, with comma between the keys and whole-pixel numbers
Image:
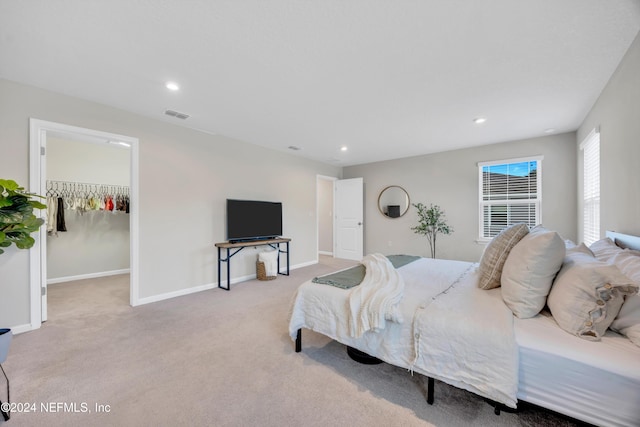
[{"x": 496, "y": 253}]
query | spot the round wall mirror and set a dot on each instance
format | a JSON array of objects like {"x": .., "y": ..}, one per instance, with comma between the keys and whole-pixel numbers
[{"x": 393, "y": 201}]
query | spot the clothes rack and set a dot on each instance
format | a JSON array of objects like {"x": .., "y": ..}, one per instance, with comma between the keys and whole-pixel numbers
[{"x": 69, "y": 189}]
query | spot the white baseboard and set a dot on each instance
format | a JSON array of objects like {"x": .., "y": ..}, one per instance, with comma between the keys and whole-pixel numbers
[
  {"x": 87, "y": 276},
  {"x": 19, "y": 329},
  {"x": 325, "y": 253},
  {"x": 187, "y": 291}
]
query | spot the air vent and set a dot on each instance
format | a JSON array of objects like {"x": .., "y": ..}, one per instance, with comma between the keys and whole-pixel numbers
[
  {"x": 294, "y": 148},
  {"x": 177, "y": 114}
]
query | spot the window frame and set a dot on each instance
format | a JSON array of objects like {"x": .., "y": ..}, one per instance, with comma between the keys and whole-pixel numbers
[
  {"x": 482, "y": 203},
  {"x": 590, "y": 231}
]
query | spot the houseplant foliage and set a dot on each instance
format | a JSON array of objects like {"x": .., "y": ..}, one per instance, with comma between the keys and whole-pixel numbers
[
  {"x": 17, "y": 220},
  {"x": 431, "y": 222}
]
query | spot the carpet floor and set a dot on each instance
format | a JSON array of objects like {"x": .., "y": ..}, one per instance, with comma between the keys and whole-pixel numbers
[{"x": 215, "y": 358}]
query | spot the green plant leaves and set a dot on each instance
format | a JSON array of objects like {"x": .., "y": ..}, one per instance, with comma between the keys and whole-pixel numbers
[
  {"x": 17, "y": 220},
  {"x": 431, "y": 221}
]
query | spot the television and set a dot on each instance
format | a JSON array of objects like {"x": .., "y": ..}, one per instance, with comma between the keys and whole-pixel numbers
[{"x": 253, "y": 220}]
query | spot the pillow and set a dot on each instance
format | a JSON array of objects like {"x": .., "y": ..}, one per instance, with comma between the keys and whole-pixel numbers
[
  {"x": 529, "y": 271},
  {"x": 628, "y": 320},
  {"x": 604, "y": 249},
  {"x": 628, "y": 262},
  {"x": 587, "y": 294},
  {"x": 496, "y": 252}
]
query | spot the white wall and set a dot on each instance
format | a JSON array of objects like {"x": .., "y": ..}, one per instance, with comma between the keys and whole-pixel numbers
[
  {"x": 450, "y": 179},
  {"x": 185, "y": 178},
  {"x": 96, "y": 242},
  {"x": 617, "y": 113}
]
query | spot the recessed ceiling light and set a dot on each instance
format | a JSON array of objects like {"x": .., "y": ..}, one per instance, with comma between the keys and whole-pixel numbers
[
  {"x": 172, "y": 86},
  {"x": 479, "y": 120},
  {"x": 343, "y": 148}
]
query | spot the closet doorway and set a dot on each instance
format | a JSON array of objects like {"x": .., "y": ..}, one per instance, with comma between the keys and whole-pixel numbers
[
  {"x": 91, "y": 178},
  {"x": 325, "y": 214}
]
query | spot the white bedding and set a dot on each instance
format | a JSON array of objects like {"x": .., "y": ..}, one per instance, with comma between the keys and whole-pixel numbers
[
  {"x": 597, "y": 382},
  {"x": 439, "y": 295}
]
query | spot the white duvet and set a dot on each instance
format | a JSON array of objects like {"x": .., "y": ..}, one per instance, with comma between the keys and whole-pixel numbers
[{"x": 452, "y": 331}]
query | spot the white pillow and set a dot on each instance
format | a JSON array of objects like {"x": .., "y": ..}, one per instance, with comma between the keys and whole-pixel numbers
[
  {"x": 628, "y": 320},
  {"x": 496, "y": 253},
  {"x": 529, "y": 271},
  {"x": 628, "y": 262},
  {"x": 587, "y": 294},
  {"x": 604, "y": 249}
]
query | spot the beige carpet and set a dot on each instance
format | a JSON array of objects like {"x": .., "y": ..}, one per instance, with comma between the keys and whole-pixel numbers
[{"x": 215, "y": 358}]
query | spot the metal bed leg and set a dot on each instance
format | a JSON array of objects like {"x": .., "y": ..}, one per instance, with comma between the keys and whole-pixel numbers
[
  {"x": 6, "y": 414},
  {"x": 430, "y": 390},
  {"x": 299, "y": 341}
]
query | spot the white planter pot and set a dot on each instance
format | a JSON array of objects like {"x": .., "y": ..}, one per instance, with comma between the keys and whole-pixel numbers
[{"x": 5, "y": 342}]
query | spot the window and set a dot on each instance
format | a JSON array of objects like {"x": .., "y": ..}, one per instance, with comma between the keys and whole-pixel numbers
[
  {"x": 591, "y": 187},
  {"x": 510, "y": 192}
]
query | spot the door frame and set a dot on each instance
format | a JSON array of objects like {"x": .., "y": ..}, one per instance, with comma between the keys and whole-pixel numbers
[
  {"x": 38, "y": 130},
  {"x": 333, "y": 180}
]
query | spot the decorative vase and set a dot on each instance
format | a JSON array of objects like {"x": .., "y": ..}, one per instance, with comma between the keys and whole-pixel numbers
[{"x": 5, "y": 341}]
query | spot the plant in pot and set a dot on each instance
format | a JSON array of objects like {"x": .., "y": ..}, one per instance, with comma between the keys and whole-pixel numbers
[
  {"x": 431, "y": 222},
  {"x": 17, "y": 222}
]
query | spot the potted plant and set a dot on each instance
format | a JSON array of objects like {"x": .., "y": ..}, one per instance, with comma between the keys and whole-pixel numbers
[
  {"x": 431, "y": 222},
  {"x": 17, "y": 222}
]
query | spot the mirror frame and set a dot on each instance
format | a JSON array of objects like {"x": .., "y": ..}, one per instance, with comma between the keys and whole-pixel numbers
[{"x": 401, "y": 213}]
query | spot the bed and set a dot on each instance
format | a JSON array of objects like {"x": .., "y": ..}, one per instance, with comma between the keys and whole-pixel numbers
[{"x": 446, "y": 327}]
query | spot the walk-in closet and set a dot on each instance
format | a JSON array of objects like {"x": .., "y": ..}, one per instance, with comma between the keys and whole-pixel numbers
[{"x": 88, "y": 206}]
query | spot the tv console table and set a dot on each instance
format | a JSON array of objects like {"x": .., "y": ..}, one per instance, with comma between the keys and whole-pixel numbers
[{"x": 238, "y": 246}]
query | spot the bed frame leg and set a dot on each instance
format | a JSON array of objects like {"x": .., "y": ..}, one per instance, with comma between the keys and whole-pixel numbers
[
  {"x": 430, "y": 382},
  {"x": 299, "y": 341},
  {"x": 499, "y": 407}
]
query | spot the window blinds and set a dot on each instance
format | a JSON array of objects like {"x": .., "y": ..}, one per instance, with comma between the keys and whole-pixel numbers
[
  {"x": 509, "y": 194},
  {"x": 591, "y": 187}
]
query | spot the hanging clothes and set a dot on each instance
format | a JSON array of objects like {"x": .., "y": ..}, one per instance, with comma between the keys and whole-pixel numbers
[
  {"x": 60, "y": 225},
  {"x": 82, "y": 197},
  {"x": 52, "y": 211}
]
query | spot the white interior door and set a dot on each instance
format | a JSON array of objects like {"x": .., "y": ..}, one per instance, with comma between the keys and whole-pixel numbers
[{"x": 349, "y": 235}]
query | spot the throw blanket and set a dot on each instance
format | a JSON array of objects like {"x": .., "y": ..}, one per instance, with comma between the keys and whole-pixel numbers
[
  {"x": 377, "y": 298},
  {"x": 350, "y": 277}
]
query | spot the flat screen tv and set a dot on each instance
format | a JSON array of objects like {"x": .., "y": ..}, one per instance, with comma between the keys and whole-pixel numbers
[{"x": 253, "y": 220}]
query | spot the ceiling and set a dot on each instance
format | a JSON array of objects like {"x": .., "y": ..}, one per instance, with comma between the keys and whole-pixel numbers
[{"x": 387, "y": 79}]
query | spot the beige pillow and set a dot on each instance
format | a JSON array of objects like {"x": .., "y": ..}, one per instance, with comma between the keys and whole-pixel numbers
[
  {"x": 496, "y": 252},
  {"x": 529, "y": 271},
  {"x": 587, "y": 294}
]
